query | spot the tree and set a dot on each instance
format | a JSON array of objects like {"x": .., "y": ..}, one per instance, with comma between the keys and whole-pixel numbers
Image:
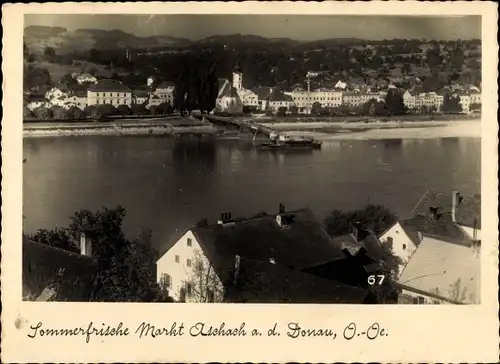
[
  {"x": 27, "y": 112},
  {"x": 75, "y": 113},
  {"x": 123, "y": 110},
  {"x": 49, "y": 54},
  {"x": 106, "y": 110},
  {"x": 36, "y": 78},
  {"x": 316, "y": 108},
  {"x": 126, "y": 268},
  {"x": 60, "y": 113},
  {"x": 138, "y": 109},
  {"x": 395, "y": 103},
  {"x": 42, "y": 113},
  {"x": 92, "y": 112},
  {"x": 451, "y": 104},
  {"x": 374, "y": 217},
  {"x": 203, "y": 282},
  {"x": 68, "y": 79}
]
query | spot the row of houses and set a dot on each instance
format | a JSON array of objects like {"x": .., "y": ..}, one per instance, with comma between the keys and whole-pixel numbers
[
  {"x": 288, "y": 257},
  {"x": 438, "y": 247},
  {"x": 233, "y": 96},
  {"x": 105, "y": 91}
]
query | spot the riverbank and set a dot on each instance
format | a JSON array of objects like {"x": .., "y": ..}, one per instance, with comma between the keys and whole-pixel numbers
[
  {"x": 382, "y": 130},
  {"x": 323, "y": 130}
]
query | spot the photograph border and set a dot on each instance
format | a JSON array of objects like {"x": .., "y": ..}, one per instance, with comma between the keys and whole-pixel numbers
[{"x": 424, "y": 333}]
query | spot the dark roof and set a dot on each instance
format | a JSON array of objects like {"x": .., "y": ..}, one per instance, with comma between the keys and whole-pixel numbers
[
  {"x": 302, "y": 243},
  {"x": 468, "y": 210},
  {"x": 262, "y": 92},
  {"x": 108, "y": 85},
  {"x": 36, "y": 98},
  {"x": 227, "y": 90},
  {"x": 140, "y": 93},
  {"x": 437, "y": 265},
  {"x": 165, "y": 84},
  {"x": 264, "y": 282},
  {"x": 278, "y": 95},
  {"x": 349, "y": 242},
  {"x": 80, "y": 93},
  {"x": 440, "y": 226},
  {"x": 70, "y": 275}
]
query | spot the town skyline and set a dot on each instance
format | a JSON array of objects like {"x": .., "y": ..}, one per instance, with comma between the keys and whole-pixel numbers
[{"x": 294, "y": 27}]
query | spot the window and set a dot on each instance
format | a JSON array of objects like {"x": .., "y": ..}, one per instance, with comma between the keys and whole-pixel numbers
[
  {"x": 97, "y": 94},
  {"x": 188, "y": 288},
  {"x": 404, "y": 246},
  {"x": 177, "y": 259},
  {"x": 210, "y": 296},
  {"x": 188, "y": 262},
  {"x": 389, "y": 241},
  {"x": 166, "y": 280},
  {"x": 189, "y": 242}
]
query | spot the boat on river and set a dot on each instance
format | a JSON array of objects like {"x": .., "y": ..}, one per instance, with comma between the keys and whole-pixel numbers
[{"x": 285, "y": 142}]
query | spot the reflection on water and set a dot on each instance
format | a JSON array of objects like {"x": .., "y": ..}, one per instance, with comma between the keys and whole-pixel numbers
[{"x": 169, "y": 185}]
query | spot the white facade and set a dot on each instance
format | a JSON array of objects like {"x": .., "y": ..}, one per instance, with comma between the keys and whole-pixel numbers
[
  {"x": 85, "y": 78},
  {"x": 32, "y": 105},
  {"x": 475, "y": 98},
  {"x": 249, "y": 98},
  {"x": 165, "y": 93},
  {"x": 465, "y": 103},
  {"x": 55, "y": 93},
  {"x": 402, "y": 246},
  {"x": 74, "y": 100},
  {"x": 327, "y": 98},
  {"x": 114, "y": 98},
  {"x": 179, "y": 270},
  {"x": 238, "y": 80},
  {"x": 474, "y": 235},
  {"x": 410, "y": 100}
]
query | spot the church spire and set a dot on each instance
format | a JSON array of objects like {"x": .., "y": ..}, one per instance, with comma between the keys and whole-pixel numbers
[{"x": 237, "y": 67}]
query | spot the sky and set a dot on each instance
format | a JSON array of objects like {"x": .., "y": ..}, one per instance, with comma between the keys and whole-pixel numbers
[{"x": 298, "y": 27}]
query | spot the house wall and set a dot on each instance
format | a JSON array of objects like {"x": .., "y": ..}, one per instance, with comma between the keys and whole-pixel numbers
[
  {"x": 111, "y": 98},
  {"x": 181, "y": 274},
  {"x": 470, "y": 232},
  {"x": 410, "y": 297},
  {"x": 165, "y": 95},
  {"x": 402, "y": 245}
]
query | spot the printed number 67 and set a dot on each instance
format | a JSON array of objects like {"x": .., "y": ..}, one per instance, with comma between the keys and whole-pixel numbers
[{"x": 373, "y": 279}]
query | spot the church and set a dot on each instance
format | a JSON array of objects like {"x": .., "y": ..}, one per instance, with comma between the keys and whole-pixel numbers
[{"x": 232, "y": 96}]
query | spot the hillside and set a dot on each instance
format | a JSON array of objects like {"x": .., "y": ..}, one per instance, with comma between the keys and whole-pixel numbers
[{"x": 37, "y": 38}]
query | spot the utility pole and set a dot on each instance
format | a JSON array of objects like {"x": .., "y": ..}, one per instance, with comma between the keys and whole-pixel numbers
[{"x": 309, "y": 106}]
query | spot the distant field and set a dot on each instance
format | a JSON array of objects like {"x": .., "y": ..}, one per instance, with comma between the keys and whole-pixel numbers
[{"x": 58, "y": 70}]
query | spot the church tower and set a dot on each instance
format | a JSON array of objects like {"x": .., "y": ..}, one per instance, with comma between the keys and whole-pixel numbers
[{"x": 237, "y": 77}]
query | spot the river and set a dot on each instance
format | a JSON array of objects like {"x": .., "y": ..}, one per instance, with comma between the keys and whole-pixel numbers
[{"x": 168, "y": 185}]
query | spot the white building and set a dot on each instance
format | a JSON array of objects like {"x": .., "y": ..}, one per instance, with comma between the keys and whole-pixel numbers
[
  {"x": 475, "y": 97},
  {"x": 449, "y": 217},
  {"x": 278, "y": 100},
  {"x": 110, "y": 92},
  {"x": 140, "y": 97},
  {"x": 165, "y": 91},
  {"x": 465, "y": 102},
  {"x": 77, "y": 99},
  {"x": 201, "y": 264},
  {"x": 442, "y": 272},
  {"x": 35, "y": 101},
  {"x": 85, "y": 78}
]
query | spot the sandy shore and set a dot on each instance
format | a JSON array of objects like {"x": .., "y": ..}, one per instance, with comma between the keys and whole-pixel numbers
[{"x": 382, "y": 130}]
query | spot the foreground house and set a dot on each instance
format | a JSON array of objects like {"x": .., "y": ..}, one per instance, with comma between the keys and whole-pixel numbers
[
  {"x": 264, "y": 282},
  {"x": 228, "y": 99},
  {"x": 52, "y": 274},
  {"x": 452, "y": 221},
  {"x": 442, "y": 272},
  {"x": 200, "y": 265}
]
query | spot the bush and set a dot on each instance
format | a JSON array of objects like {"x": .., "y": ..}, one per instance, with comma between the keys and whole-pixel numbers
[
  {"x": 123, "y": 110},
  {"x": 42, "y": 113}
]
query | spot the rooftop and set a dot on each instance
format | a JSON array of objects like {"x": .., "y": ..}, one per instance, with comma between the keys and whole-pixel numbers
[
  {"x": 109, "y": 85},
  {"x": 440, "y": 226},
  {"x": 227, "y": 90},
  {"x": 278, "y": 96},
  {"x": 70, "y": 275},
  {"x": 302, "y": 243},
  {"x": 468, "y": 211},
  {"x": 264, "y": 282},
  {"x": 443, "y": 269},
  {"x": 262, "y": 92}
]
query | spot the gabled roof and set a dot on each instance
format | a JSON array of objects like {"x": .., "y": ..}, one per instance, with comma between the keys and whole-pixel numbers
[
  {"x": 304, "y": 242},
  {"x": 278, "y": 96},
  {"x": 80, "y": 93},
  {"x": 140, "y": 93},
  {"x": 227, "y": 90},
  {"x": 108, "y": 85},
  {"x": 468, "y": 210},
  {"x": 70, "y": 275},
  {"x": 165, "y": 85},
  {"x": 440, "y": 226},
  {"x": 262, "y": 92},
  {"x": 264, "y": 282},
  {"x": 348, "y": 242},
  {"x": 437, "y": 265}
]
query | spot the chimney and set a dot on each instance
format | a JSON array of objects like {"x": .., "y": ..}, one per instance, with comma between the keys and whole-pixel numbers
[
  {"x": 85, "y": 245},
  {"x": 282, "y": 209},
  {"x": 225, "y": 217},
  {"x": 455, "y": 201},
  {"x": 236, "y": 269},
  {"x": 356, "y": 230},
  {"x": 420, "y": 236}
]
